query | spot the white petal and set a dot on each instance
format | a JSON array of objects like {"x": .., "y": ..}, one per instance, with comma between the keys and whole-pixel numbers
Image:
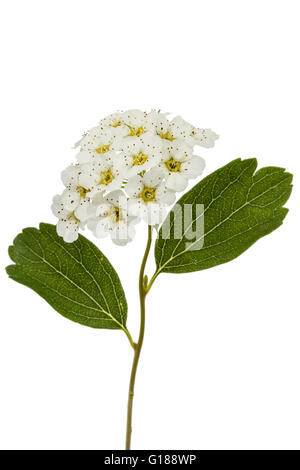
[
  {"x": 83, "y": 156},
  {"x": 205, "y": 137},
  {"x": 88, "y": 177},
  {"x": 182, "y": 124},
  {"x": 137, "y": 208},
  {"x": 103, "y": 209},
  {"x": 111, "y": 119},
  {"x": 176, "y": 182},
  {"x": 70, "y": 236},
  {"x": 178, "y": 150},
  {"x": 194, "y": 167},
  {"x": 120, "y": 234},
  {"x": 70, "y": 199},
  {"x": 134, "y": 118},
  {"x": 69, "y": 176},
  {"x": 98, "y": 198},
  {"x": 116, "y": 198},
  {"x": 154, "y": 177},
  {"x": 164, "y": 169},
  {"x": 81, "y": 211},
  {"x": 131, "y": 221},
  {"x": 68, "y": 229},
  {"x": 134, "y": 186},
  {"x": 155, "y": 213},
  {"x": 101, "y": 229},
  {"x": 120, "y": 241},
  {"x": 165, "y": 195},
  {"x": 160, "y": 122},
  {"x": 125, "y": 231},
  {"x": 58, "y": 208},
  {"x": 61, "y": 227},
  {"x": 116, "y": 184}
]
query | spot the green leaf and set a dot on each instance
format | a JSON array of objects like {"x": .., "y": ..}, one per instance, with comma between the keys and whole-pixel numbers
[
  {"x": 76, "y": 279},
  {"x": 239, "y": 207}
]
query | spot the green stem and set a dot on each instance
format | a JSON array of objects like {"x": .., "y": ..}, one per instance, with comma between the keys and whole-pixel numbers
[{"x": 143, "y": 292}]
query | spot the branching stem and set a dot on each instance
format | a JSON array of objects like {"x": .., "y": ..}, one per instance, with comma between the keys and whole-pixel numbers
[{"x": 152, "y": 280}]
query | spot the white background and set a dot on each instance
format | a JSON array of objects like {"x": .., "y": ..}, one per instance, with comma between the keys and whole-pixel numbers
[{"x": 220, "y": 364}]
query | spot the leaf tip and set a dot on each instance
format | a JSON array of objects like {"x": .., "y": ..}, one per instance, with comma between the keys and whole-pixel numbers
[
  {"x": 11, "y": 250},
  {"x": 9, "y": 270}
]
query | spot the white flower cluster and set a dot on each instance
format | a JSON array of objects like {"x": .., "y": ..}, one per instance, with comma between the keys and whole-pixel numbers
[{"x": 129, "y": 168}]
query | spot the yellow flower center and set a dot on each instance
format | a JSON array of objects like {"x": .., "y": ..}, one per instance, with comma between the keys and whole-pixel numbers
[
  {"x": 115, "y": 213},
  {"x": 103, "y": 149},
  {"x": 82, "y": 191},
  {"x": 148, "y": 194},
  {"x": 106, "y": 177},
  {"x": 173, "y": 165},
  {"x": 117, "y": 124},
  {"x": 136, "y": 131},
  {"x": 139, "y": 159},
  {"x": 166, "y": 135}
]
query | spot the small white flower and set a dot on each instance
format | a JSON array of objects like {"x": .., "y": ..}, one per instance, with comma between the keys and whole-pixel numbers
[
  {"x": 115, "y": 123},
  {"x": 149, "y": 196},
  {"x": 137, "y": 123},
  {"x": 204, "y": 137},
  {"x": 75, "y": 197},
  {"x": 109, "y": 215},
  {"x": 68, "y": 224},
  {"x": 141, "y": 154},
  {"x": 103, "y": 173},
  {"x": 185, "y": 127},
  {"x": 68, "y": 229},
  {"x": 179, "y": 165},
  {"x": 76, "y": 202},
  {"x": 69, "y": 176},
  {"x": 97, "y": 141},
  {"x": 112, "y": 120},
  {"x": 58, "y": 208},
  {"x": 169, "y": 131}
]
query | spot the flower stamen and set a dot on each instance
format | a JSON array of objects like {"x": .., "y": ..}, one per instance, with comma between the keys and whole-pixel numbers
[
  {"x": 106, "y": 177},
  {"x": 82, "y": 191},
  {"x": 166, "y": 135},
  {"x": 148, "y": 194},
  {"x": 117, "y": 124},
  {"x": 139, "y": 159},
  {"x": 173, "y": 165},
  {"x": 115, "y": 214},
  {"x": 136, "y": 131},
  {"x": 103, "y": 148}
]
